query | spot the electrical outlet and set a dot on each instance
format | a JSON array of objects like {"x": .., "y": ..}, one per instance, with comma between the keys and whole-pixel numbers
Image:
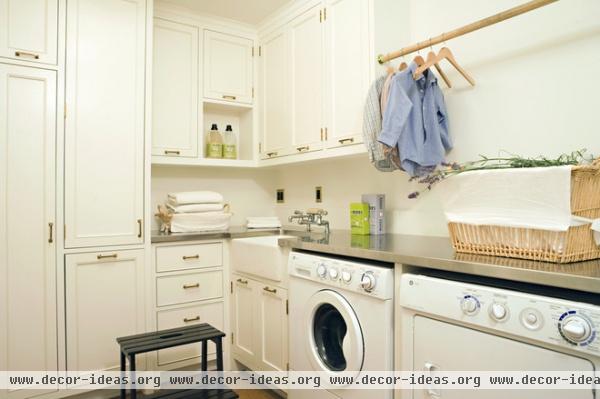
[
  {"x": 280, "y": 197},
  {"x": 319, "y": 194}
]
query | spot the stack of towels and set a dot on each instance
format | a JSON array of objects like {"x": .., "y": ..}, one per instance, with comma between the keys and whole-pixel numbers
[
  {"x": 195, "y": 211},
  {"x": 263, "y": 222}
]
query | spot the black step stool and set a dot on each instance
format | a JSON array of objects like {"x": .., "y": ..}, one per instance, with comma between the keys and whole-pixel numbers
[{"x": 133, "y": 345}]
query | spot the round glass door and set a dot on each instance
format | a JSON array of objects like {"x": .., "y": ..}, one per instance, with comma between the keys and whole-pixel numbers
[{"x": 335, "y": 342}]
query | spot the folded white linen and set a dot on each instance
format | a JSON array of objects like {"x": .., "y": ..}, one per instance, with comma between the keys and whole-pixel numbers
[
  {"x": 263, "y": 222},
  {"x": 536, "y": 198},
  {"x": 194, "y": 197},
  {"x": 193, "y": 208},
  {"x": 196, "y": 222}
]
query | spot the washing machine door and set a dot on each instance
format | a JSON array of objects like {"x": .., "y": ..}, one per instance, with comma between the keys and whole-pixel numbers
[{"x": 335, "y": 341}]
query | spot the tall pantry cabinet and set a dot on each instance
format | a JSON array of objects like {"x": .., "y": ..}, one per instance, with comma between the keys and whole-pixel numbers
[{"x": 73, "y": 161}]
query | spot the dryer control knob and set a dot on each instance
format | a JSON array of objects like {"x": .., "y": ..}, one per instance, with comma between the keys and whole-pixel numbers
[
  {"x": 368, "y": 281},
  {"x": 346, "y": 276},
  {"x": 498, "y": 311},
  {"x": 322, "y": 270},
  {"x": 469, "y": 305},
  {"x": 334, "y": 273},
  {"x": 576, "y": 328}
]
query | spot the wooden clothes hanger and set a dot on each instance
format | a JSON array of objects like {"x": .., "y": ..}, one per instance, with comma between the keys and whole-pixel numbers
[
  {"x": 444, "y": 53},
  {"x": 432, "y": 58}
]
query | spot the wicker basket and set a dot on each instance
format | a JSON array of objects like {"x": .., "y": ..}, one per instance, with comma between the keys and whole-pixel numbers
[{"x": 573, "y": 245}]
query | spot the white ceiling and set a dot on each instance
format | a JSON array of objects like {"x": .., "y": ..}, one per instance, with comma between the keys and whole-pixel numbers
[{"x": 248, "y": 11}]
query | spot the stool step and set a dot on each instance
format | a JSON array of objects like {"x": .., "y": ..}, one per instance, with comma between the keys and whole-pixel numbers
[{"x": 141, "y": 343}]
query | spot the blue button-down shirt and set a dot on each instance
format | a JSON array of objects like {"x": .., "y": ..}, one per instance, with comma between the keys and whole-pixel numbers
[{"x": 415, "y": 120}]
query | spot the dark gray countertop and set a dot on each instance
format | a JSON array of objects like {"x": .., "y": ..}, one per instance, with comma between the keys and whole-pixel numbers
[
  {"x": 437, "y": 253},
  {"x": 423, "y": 251}
]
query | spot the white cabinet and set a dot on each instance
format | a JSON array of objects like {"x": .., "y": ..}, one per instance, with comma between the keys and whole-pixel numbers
[
  {"x": 104, "y": 126},
  {"x": 306, "y": 64},
  {"x": 104, "y": 295},
  {"x": 228, "y": 71},
  {"x": 273, "y": 328},
  {"x": 175, "y": 107},
  {"x": 29, "y": 30},
  {"x": 347, "y": 68},
  {"x": 28, "y": 336},
  {"x": 259, "y": 324},
  {"x": 276, "y": 113}
]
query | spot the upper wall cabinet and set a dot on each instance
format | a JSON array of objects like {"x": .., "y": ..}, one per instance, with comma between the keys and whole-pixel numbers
[
  {"x": 306, "y": 37},
  {"x": 104, "y": 126},
  {"x": 29, "y": 30},
  {"x": 175, "y": 107},
  {"x": 228, "y": 72},
  {"x": 275, "y": 89},
  {"x": 347, "y": 68}
]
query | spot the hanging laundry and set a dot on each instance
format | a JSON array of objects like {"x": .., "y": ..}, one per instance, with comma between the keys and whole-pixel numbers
[
  {"x": 416, "y": 122},
  {"x": 372, "y": 123}
]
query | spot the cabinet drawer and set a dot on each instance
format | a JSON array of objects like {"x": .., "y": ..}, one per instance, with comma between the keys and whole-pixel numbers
[
  {"x": 212, "y": 313},
  {"x": 184, "y": 257},
  {"x": 171, "y": 290}
]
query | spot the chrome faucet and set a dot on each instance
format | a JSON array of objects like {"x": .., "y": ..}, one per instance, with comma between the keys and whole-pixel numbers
[{"x": 312, "y": 216}]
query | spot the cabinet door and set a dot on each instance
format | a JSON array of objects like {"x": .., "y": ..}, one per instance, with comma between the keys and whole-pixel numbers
[
  {"x": 29, "y": 30},
  {"x": 347, "y": 36},
  {"x": 28, "y": 339},
  {"x": 104, "y": 295},
  {"x": 306, "y": 37},
  {"x": 245, "y": 321},
  {"x": 273, "y": 328},
  {"x": 104, "y": 127},
  {"x": 175, "y": 126},
  {"x": 228, "y": 68},
  {"x": 276, "y": 117}
]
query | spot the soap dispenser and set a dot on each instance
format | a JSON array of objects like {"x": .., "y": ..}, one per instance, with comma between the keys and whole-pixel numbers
[
  {"x": 214, "y": 143},
  {"x": 229, "y": 144}
]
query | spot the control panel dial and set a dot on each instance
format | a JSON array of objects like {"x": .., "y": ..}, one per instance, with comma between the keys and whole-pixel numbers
[
  {"x": 575, "y": 328},
  {"x": 498, "y": 311},
  {"x": 334, "y": 273},
  {"x": 346, "y": 276},
  {"x": 469, "y": 305},
  {"x": 368, "y": 281},
  {"x": 322, "y": 271}
]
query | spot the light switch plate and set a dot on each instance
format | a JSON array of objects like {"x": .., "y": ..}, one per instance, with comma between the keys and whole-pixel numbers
[
  {"x": 280, "y": 196},
  {"x": 318, "y": 194}
]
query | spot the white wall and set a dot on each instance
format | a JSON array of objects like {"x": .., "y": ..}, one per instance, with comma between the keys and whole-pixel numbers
[
  {"x": 249, "y": 192},
  {"x": 537, "y": 93}
]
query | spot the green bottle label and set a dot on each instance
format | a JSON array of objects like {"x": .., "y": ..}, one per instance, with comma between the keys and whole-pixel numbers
[
  {"x": 229, "y": 151},
  {"x": 214, "y": 150}
]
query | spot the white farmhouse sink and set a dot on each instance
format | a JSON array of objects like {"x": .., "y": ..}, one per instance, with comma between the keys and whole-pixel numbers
[{"x": 260, "y": 256}]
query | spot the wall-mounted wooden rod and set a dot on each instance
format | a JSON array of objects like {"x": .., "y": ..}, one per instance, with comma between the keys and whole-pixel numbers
[{"x": 482, "y": 23}]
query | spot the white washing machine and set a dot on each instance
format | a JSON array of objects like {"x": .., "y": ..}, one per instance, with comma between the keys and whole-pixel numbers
[
  {"x": 341, "y": 320},
  {"x": 452, "y": 325}
]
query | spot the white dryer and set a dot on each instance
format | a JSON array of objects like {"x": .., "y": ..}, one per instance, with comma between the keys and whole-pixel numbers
[
  {"x": 450, "y": 322},
  {"x": 341, "y": 320}
]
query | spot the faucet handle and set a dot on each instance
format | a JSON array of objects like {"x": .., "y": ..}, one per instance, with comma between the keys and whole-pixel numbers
[
  {"x": 316, "y": 211},
  {"x": 298, "y": 212}
]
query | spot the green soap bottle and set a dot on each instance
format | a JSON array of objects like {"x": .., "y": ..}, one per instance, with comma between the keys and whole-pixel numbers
[
  {"x": 229, "y": 144},
  {"x": 214, "y": 143},
  {"x": 359, "y": 218}
]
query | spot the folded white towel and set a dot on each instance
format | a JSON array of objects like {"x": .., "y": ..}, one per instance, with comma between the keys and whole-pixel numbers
[
  {"x": 194, "y": 197},
  {"x": 263, "y": 222},
  {"x": 193, "y": 208},
  {"x": 196, "y": 222}
]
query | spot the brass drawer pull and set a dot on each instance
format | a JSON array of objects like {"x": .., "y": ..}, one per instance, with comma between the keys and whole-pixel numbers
[
  {"x": 239, "y": 280},
  {"x": 304, "y": 148},
  {"x": 26, "y": 54},
  {"x": 191, "y": 257},
  {"x": 174, "y": 152},
  {"x": 139, "y": 222},
  {"x": 188, "y": 286},
  {"x": 271, "y": 154},
  {"x": 111, "y": 256},
  {"x": 346, "y": 141},
  {"x": 271, "y": 290},
  {"x": 186, "y": 320},
  {"x": 229, "y": 97},
  {"x": 51, "y": 230}
]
